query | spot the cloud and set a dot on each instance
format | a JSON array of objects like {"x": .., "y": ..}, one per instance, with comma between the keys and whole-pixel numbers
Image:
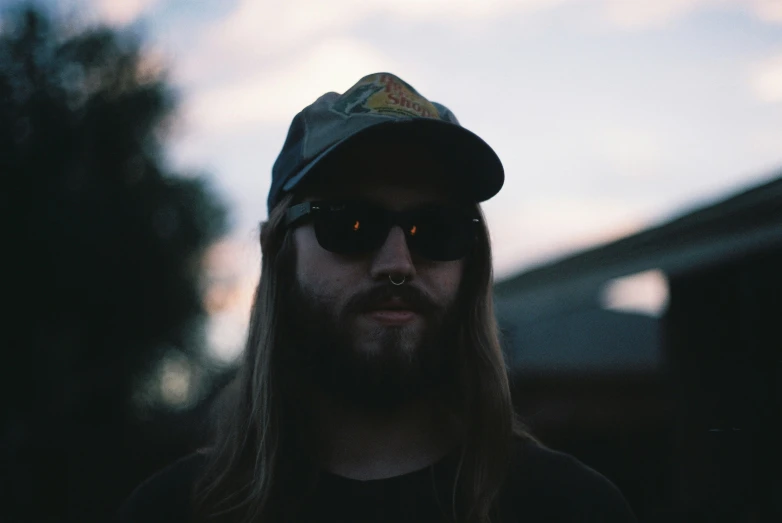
[
  {"x": 767, "y": 10},
  {"x": 633, "y": 152},
  {"x": 273, "y": 96},
  {"x": 644, "y": 14},
  {"x": 266, "y": 26},
  {"x": 765, "y": 79},
  {"x": 257, "y": 32},
  {"x": 265, "y": 60},
  {"x": 535, "y": 232},
  {"x": 122, "y": 12},
  {"x": 640, "y": 14}
]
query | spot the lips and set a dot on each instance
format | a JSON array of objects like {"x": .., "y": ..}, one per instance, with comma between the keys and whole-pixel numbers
[
  {"x": 392, "y": 305},
  {"x": 388, "y": 299},
  {"x": 392, "y": 312},
  {"x": 392, "y": 317}
]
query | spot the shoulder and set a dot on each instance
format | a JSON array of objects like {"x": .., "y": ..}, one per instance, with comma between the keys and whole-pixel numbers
[
  {"x": 553, "y": 486},
  {"x": 164, "y": 497}
]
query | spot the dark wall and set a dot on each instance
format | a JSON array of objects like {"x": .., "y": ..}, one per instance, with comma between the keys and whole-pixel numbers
[
  {"x": 697, "y": 438},
  {"x": 723, "y": 337}
]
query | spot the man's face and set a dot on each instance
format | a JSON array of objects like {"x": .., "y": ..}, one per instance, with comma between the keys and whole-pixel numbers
[{"x": 373, "y": 343}]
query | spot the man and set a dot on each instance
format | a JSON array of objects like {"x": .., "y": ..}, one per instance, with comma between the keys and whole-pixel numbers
[{"x": 373, "y": 386}]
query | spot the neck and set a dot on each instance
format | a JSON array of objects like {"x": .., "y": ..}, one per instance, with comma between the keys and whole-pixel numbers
[{"x": 363, "y": 446}]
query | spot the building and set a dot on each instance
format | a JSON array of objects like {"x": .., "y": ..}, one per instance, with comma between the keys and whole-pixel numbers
[{"x": 680, "y": 405}]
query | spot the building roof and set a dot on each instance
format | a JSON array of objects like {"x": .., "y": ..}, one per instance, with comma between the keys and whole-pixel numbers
[{"x": 742, "y": 224}]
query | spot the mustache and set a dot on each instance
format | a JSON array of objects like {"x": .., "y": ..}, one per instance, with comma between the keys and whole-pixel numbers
[{"x": 412, "y": 296}]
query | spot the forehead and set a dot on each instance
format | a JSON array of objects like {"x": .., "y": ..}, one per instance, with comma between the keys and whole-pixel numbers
[{"x": 393, "y": 172}]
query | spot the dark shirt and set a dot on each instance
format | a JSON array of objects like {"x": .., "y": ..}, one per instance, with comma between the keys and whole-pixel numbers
[{"x": 542, "y": 486}]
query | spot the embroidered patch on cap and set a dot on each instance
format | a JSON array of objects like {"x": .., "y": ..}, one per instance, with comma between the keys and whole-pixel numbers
[{"x": 384, "y": 94}]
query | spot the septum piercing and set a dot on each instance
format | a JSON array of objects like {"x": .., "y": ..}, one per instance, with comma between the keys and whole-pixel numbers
[{"x": 395, "y": 282}]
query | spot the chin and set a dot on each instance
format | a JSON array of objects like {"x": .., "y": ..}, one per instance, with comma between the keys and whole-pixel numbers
[{"x": 399, "y": 339}]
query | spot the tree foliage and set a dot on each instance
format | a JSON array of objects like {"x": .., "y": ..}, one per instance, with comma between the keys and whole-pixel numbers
[{"x": 102, "y": 249}]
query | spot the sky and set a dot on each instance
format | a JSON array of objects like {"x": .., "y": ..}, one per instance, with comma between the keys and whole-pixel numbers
[{"x": 609, "y": 116}]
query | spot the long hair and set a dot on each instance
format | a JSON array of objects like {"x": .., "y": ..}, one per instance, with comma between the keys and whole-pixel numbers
[{"x": 245, "y": 464}]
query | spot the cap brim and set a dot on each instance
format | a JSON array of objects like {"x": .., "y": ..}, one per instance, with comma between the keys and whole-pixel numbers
[{"x": 477, "y": 170}]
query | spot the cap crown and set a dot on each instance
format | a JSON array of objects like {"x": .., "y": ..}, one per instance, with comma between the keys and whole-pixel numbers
[{"x": 376, "y": 99}]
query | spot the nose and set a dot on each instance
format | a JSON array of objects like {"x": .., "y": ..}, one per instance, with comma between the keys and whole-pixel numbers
[{"x": 393, "y": 257}]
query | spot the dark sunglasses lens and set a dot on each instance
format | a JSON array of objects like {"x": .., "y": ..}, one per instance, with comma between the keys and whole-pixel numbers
[
  {"x": 441, "y": 234},
  {"x": 349, "y": 229}
]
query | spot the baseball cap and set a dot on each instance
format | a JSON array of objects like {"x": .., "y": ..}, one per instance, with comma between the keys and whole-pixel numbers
[{"x": 383, "y": 104}]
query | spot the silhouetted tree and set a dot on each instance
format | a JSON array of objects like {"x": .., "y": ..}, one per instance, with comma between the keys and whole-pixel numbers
[{"x": 101, "y": 256}]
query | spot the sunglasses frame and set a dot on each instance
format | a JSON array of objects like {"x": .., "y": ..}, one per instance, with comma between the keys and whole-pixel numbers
[{"x": 296, "y": 213}]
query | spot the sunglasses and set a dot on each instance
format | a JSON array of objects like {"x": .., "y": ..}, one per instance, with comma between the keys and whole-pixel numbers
[{"x": 438, "y": 233}]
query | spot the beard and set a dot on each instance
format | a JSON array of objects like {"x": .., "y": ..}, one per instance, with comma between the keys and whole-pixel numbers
[{"x": 375, "y": 369}]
